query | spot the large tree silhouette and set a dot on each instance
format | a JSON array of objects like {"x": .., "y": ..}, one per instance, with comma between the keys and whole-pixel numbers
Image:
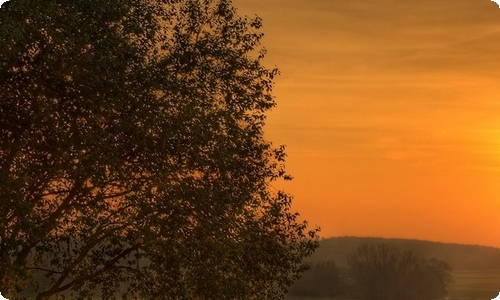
[{"x": 132, "y": 157}]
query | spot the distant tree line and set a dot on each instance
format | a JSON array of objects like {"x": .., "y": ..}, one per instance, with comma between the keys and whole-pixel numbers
[
  {"x": 377, "y": 272},
  {"x": 324, "y": 279}
]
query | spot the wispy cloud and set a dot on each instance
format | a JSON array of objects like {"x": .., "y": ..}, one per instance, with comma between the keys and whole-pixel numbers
[{"x": 388, "y": 99}]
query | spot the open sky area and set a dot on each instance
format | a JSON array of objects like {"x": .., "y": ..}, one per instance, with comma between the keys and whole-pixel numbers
[{"x": 390, "y": 111}]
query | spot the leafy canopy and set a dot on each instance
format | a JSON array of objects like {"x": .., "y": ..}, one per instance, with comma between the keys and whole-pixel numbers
[{"x": 132, "y": 157}]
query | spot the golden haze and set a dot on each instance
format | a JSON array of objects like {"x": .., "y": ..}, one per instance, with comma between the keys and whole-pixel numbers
[{"x": 390, "y": 111}]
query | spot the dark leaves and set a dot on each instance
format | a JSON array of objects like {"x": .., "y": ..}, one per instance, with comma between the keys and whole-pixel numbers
[{"x": 132, "y": 154}]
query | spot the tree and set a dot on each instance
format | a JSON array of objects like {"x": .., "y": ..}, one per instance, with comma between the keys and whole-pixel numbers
[
  {"x": 323, "y": 279},
  {"x": 386, "y": 272},
  {"x": 327, "y": 279},
  {"x": 430, "y": 279},
  {"x": 132, "y": 157}
]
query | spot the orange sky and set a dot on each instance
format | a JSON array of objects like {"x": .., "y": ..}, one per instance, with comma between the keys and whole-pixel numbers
[{"x": 390, "y": 111}]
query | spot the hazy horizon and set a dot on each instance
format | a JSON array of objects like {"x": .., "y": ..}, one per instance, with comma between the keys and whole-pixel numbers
[{"x": 322, "y": 238}]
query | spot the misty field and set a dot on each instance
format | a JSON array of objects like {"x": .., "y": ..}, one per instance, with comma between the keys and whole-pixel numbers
[
  {"x": 468, "y": 285},
  {"x": 475, "y": 285}
]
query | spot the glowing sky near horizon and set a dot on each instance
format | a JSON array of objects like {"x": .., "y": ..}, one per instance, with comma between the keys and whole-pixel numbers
[{"x": 390, "y": 111}]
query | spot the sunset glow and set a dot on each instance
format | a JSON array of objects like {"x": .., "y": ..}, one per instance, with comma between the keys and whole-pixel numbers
[{"x": 390, "y": 111}]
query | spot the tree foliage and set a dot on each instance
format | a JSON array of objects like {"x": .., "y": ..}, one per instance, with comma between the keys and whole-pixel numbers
[
  {"x": 384, "y": 272},
  {"x": 132, "y": 157}
]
